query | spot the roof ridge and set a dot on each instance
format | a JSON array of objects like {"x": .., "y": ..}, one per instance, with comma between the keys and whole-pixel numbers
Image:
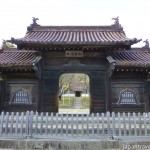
[{"x": 76, "y": 28}]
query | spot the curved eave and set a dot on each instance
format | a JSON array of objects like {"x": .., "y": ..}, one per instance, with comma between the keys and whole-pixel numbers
[
  {"x": 109, "y": 43},
  {"x": 17, "y": 58},
  {"x": 78, "y": 37},
  {"x": 132, "y": 65},
  {"x": 14, "y": 66},
  {"x": 138, "y": 59}
]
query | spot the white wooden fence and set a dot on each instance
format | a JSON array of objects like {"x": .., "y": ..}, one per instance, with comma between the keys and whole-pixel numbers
[{"x": 45, "y": 125}]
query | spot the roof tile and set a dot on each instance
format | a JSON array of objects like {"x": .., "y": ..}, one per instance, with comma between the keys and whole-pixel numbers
[
  {"x": 132, "y": 58},
  {"x": 76, "y": 35},
  {"x": 17, "y": 58}
]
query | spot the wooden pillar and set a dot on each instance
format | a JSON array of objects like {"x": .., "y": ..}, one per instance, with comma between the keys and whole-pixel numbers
[
  {"x": 38, "y": 72},
  {"x": 109, "y": 72},
  {"x": 1, "y": 103},
  {"x": 97, "y": 92},
  {"x": 39, "y": 106},
  {"x": 146, "y": 96},
  {"x": 1, "y": 95},
  {"x": 108, "y": 95},
  {"x": 50, "y": 91},
  {"x": 2, "y": 92}
]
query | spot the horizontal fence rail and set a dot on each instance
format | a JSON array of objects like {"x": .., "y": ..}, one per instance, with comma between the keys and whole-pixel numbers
[{"x": 45, "y": 125}]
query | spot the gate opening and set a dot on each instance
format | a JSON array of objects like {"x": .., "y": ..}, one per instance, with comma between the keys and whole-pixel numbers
[{"x": 74, "y": 93}]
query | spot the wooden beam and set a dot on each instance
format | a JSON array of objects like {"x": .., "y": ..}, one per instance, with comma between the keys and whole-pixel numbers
[
  {"x": 108, "y": 88},
  {"x": 146, "y": 96},
  {"x": 2, "y": 95}
]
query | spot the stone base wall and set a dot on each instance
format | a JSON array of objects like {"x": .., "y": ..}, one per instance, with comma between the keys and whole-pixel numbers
[{"x": 73, "y": 144}]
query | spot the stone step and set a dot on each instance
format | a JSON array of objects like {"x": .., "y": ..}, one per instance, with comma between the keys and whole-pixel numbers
[{"x": 77, "y": 103}]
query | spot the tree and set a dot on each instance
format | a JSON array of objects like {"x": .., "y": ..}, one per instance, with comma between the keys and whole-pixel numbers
[
  {"x": 84, "y": 79},
  {"x": 7, "y": 45},
  {"x": 64, "y": 83},
  {"x": 69, "y": 81},
  {"x": 10, "y": 45}
]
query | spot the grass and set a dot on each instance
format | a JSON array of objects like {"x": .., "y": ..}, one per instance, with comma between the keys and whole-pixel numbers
[{"x": 67, "y": 102}]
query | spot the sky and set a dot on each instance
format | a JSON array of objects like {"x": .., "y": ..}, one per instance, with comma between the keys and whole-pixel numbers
[{"x": 16, "y": 15}]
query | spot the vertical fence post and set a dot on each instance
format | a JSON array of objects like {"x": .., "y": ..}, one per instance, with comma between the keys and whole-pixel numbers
[
  {"x": 41, "y": 127},
  {"x": 30, "y": 124},
  {"x": 27, "y": 123},
  {"x": 139, "y": 121},
  {"x": 108, "y": 122},
  {"x": 103, "y": 124},
  {"x": 22, "y": 122},
  {"x": 87, "y": 123},
  {"x": 119, "y": 123},
  {"x": 56, "y": 128},
  {"x": 97, "y": 117},
  {"x": 113, "y": 123},
  {"x": 72, "y": 124},
  {"x": 62, "y": 124},
  {"x": 134, "y": 120},
  {"x": 92, "y": 119},
  {"x": 67, "y": 123},
  {"x": 129, "y": 122},
  {"x": 149, "y": 123},
  {"x": 2, "y": 121},
  {"x": 52, "y": 123},
  {"x": 6, "y": 123},
  {"x": 46, "y": 128},
  {"x": 11, "y": 123},
  {"x": 82, "y": 123},
  {"x": 77, "y": 124},
  {"x": 145, "y": 124},
  {"x": 36, "y": 122},
  {"x": 124, "y": 124},
  {"x": 17, "y": 122}
]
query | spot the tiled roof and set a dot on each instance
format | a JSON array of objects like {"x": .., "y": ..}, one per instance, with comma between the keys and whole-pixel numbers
[
  {"x": 133, "y": 58},
  {"x": 97, "y": 35},
  {"x": 12, "y": 58}
]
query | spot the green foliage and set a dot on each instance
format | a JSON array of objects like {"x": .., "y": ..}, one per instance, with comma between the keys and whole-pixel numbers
[
  {"x": 67, "y": 102},
  {"x": 10, "y": 45}
]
